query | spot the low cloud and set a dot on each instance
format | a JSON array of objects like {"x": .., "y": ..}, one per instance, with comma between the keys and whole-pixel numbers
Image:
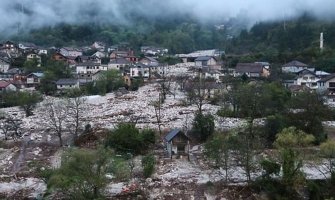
[{"x": 28, "y": 14}]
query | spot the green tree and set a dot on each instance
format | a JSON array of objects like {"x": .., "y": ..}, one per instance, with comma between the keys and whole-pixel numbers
[
  {"x": 217, "y": 149},
  {"x": 28, "y": 100},
  {"x": 327, "y": 150},
  {"x": 148, "y": 164},
  {"x": 82, "y": 174},
  {"x": 126, "y": 138},
  {"x": 289, "y": 142},
  {"x": 312, "y": 111},
  {"x": 203, "y": 126}
]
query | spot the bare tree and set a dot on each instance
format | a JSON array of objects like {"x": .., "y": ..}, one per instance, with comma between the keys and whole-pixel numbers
[
  {"x": 157, "y": 106},
  {"x": 76, "y": 110},
  {"x": 11, "y": 127},
  {"x": 55, "y": 117}
]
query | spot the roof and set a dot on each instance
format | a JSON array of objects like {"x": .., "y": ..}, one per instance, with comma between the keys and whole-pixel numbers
[
  {"x": 307, "y": 71},
  {"x": 67, "y": 81},
  {"x": 119, "y": 61},
  {"x": 151, "y": 59},
  {"x": 249, "y": 68},
  {"x": 295, "y": 63},
  {"x": 203, "y": 58},
  {"x": 327, "y": 78},
  {"x": 89, "y": 64},
  {"x": 210, "y": 52},
  {"x": 4, "y": 84},
  {"x": 38, "y": 74},
  {"x": 173, "y": 134}
]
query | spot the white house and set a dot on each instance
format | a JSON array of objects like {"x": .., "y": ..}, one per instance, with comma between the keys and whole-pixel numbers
[
  {"x": 293, "y": 67},
  {"x": 139, "y": 70},
  {"x": 99, "y": 45},
  {"x": 118, "y": 63},
  {"x": 99, "y": 54},
  {"x": 307, "y": 78},
  {"x": 33, "y": 56},
  {"x": 4, "y": 65},
  {"x": 69, "y": 51},
  {"x": 42, "y": 52},
  {"x": 89, "y": 68},
  {"x": 67, "y": 83}
]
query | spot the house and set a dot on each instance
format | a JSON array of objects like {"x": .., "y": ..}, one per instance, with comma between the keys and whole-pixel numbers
[
  {"x": 118, "y": 63},
  {"x": 201, "y": 53},
  {"x": 89, "y": 68},
  {"x": 69, "y": 51},
  {"x": 10, "y": 48},
  {"x": 99, "y": 46},
  {"x": 327, "y": 86},
  {"x": 149, "y": 61},
  {"x": 25, "y": 46},
  {"x": 6, "y": 86},
  {"x": 293, "y": 67},
  {"x": 67, "y": 83},
  {"x": 204, "y": 61},
  {"x": 42, "y": 52},
  {"x": 34, "y": 79},
  {"x": 4, "y": 65},
  {"x": 32, "y": 56},
  {"x": 99, "y": 54},
  {"x": 59, "y": 57},
  {"x": 177, "y": 143},
  {"x": 252, "y": 70},
  {"x": 307, "y": 78},
  {"x": 128, "y": 55},
  {"x": 82, "y": 59},
  {"x": 139, "y": 70},
  {"x": 153, "y": 51}
]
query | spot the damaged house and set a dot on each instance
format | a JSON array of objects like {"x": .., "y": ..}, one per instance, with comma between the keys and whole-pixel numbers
[{"x": 177, "y": 143}]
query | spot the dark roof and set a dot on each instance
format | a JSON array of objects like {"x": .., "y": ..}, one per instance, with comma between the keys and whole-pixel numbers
[
  {"x": 172, "y": 134},
  {"x": 249, "y": 68},
  {"x": 67, "y": 81},
  {"x": 151, "y": 59},
  {"x": 306, "y": 71},
  {"x": 295, "y": 63},
  {"x": 120, "y": 61},
  {"x": 327, "y": 78},
  {"x": 203, "y": 58},
  {"x": 88, "y": 64}
]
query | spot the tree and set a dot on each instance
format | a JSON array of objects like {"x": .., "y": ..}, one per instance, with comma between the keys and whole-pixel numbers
[
  {"x": 289, "y": 141},
  {"x": 327, "y": 150},
  {"x": 11, "y": 127},
  {"x": 126, "y": 138},
  {"x": 312, "y": 111},
  {"x": 217, "y": 149},
  {"x": 203, "y": 126},
  {"x": 28, "y": 100},
  {"x": 55, "y": 117},
  {"x": 148, "y": 164},
  {"x": 76, "y": 109},
  {"x": 82, "y": 174}
]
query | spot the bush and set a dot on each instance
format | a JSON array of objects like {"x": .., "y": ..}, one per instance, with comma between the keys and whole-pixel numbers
[
  {"x": 148, "y": 163},
  {"x": 126, "y": 138}
]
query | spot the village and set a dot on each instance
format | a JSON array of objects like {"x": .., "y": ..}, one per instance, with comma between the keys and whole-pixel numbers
[{"x": 157, "y": 94}]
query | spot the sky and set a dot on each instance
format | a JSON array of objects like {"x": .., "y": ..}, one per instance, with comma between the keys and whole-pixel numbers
[{"x": 28, "y": 14}]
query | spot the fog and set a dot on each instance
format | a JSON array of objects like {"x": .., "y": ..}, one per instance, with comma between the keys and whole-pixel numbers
[{"x": 28, "y": 14}]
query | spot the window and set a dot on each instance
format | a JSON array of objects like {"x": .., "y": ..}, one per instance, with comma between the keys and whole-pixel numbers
[
  {"x": 305, "y": 78},
  {"x": 331, "y": 84}
]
